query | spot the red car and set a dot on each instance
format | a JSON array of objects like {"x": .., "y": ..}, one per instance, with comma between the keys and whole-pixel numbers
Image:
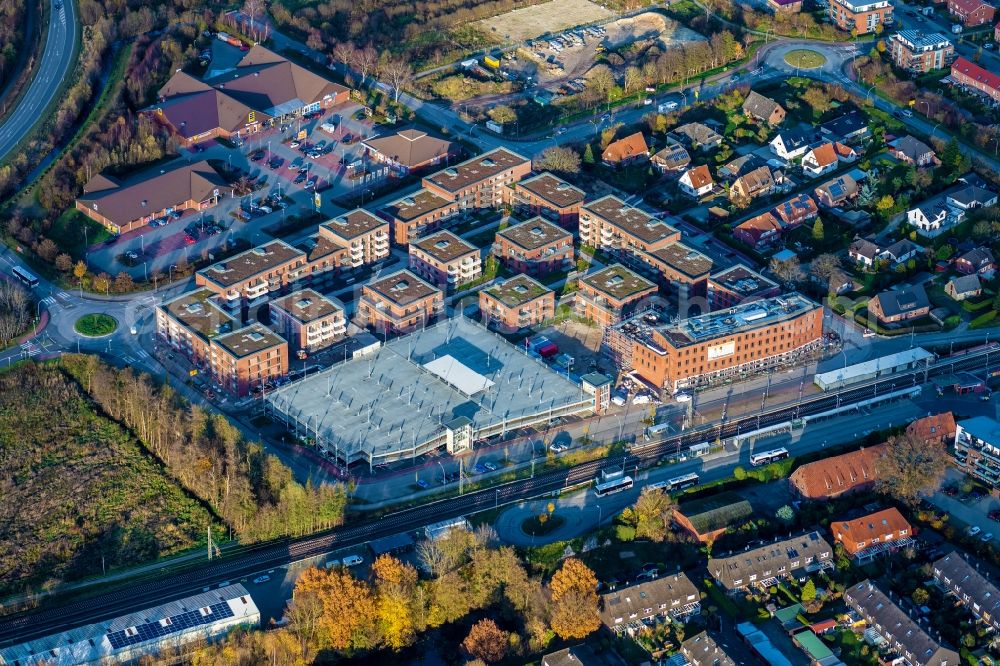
[{"x": 189, "y": 239}]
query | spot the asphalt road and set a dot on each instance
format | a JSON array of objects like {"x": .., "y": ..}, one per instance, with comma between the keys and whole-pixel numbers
[{"x": 57, "y": 59}]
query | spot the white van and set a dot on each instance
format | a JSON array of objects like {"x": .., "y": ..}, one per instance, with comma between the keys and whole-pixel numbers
[
  {"x": 352, "y": 560},
  {"x": 332, "y": 563}
]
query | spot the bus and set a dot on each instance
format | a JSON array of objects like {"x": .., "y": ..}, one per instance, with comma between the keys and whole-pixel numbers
[
  {"x": 768, "y": 457},
  {"x": 24, "y": 276},
  {"x": 656, "y": 431},
  {"x": 682, "y": 482},
  {"x": 613, "y": 486}
]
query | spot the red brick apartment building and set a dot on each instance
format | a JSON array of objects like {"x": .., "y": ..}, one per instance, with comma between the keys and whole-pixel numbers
[
  {"x": 682, "y": 270},
  {"x": 517, "y": 303},
  {"x": 364, "y": 236},
  {"x": 739, "y": 284},
  {"x": 308, "y": 320},
  {"x": 482, "y": 182},
  {"x": 245, "y": 360},
  {"x": 875, "y": 534},
  {"x": 711, "y": 347},
  {"x": 535, "y": 247},
  {"x": 121, "y": 206},
  {"x": 861, "y": 15},
  {"x": 418, "y": 214},
  {"x": 918, "y": 53},
  {"x": 837, "y": 475},
  {"x": 550, "y": 197},
  {"x": 445, "y": 260},
  {"x": 239, "y": 360},
  {"x": 611, "y": 294},
  {"x": 398, "y": 303},
  {"x": 971, "y": 13},
  {"x": 975, "y": 79},
  {"x": 252, "y": 275},
  {"x": 611, "y": 225}
]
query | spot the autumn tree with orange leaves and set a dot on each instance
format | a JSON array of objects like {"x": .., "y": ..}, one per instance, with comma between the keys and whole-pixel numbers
[
  {"x": 348, "y": 618},
  {"x": 486, "y": 641},
  {"x": 575, "y": 612}
]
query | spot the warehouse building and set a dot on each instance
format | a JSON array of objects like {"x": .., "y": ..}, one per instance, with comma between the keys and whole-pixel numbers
[
  {"x": 449, "y": 385},
  {"x": 126, "y": 639}
]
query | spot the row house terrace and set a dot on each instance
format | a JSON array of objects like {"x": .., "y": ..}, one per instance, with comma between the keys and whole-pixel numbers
[
  {"x": 967, "y": 580},
  {"x": 668, "y": 598},
  {"x": 765, "y": 565}
]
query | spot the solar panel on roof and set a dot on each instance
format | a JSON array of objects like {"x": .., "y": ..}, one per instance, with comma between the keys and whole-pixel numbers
[{"x": 176, "y": 624}]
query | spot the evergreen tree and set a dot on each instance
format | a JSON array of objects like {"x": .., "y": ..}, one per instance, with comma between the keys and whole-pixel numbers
[
  {"x": 809, "y": 591},
  {"x": 588, "y": 155},
  {"x": 818, "y": 232}
]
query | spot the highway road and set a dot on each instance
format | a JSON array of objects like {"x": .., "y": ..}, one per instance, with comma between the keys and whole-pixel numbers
[
  {"x": 193, "y": 577},
  {"x": 55, "y": 65}
]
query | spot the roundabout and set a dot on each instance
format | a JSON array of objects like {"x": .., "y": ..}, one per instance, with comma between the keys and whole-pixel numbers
[
  {"x": 805, "y": 59},
  {"x": 95, "y": 325}
]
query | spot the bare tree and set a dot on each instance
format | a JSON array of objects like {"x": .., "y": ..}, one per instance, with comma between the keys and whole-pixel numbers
[
  {"x": 397, "y": 72},
  {"x": 824, "y": 267},
  {"x": 253, "y": 9},
  {"x": 557, "y": 158},
  {"x": 344, "y": 53},
  {"x": 788, "y": 270},
  {"x": 911, "y": 467},
  {"x": 365, "y": 61}
]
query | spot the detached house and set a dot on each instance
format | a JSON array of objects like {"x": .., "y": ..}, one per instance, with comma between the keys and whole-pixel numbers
[
  {"x": 759, "y": 232},
  {"x": 912, "y": 151},
  {"x": 970, "y": 196},
  {"x": 863, "y": 251},
  {"x": 900, "y": 305},
  {"x": 837, "y": 192},
  {"x": 796, "y": 211},
  {"x": 673, "y": 157},
  {"x": 872, "y": 535},
  {"x": 900, "y": 252},
  {"x": 697, "y": 136},
  {"x": 979, "y": 260},
  {"x": 852, "y": 126},
  {"x": 790, "y": 144},
  {"x": 697, "y": 182},
  {"x": 938, "y": 428},
  {"x": 930, "y": 217},
  {"x": 763, "y": 109},
  {"x": 963, "y": 287},
  {"x": 757, "y": 183},
  {"x": 819, "y": 160},
  {"x": 626, "y": 151}
]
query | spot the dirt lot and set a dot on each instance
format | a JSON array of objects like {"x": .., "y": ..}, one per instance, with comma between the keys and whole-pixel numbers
[
  {"x": 573, "y": 62},
  {"x": 553, "y": 16}
]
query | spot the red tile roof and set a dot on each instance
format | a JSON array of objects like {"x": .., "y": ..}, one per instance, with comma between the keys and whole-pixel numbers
[
  {"x": 933, "y": 428},
  {"x": 835, "y": 475},
  {"x": 879, "y": 527},
  {"x": 973, "y": 71},
  {"x": 700, "y": 176},
  {"x": 630, "y": 147},
  {"x": 824, "y": 155}
]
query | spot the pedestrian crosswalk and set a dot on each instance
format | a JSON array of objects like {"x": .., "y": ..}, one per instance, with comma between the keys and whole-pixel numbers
[
  {"x": 30, "y": 349},
  {"x": 49, "y": 301}
]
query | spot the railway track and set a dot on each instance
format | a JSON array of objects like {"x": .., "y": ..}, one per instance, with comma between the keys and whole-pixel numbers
[{"x": 193, "y": 577}]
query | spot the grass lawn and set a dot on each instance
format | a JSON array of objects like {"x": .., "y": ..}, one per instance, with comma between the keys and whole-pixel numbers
[
  {"x": 805, "y": 58},
  {"x": 95, "y": 325}
]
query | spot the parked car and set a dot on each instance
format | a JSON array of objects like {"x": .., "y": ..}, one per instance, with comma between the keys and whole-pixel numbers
[
  {"x": 352, "y": 560},
  {"x": 559, "y": 447},
  {"x": 261, "y": 579},
  {"x": 490, "y": 466},
  {"x": 974, "y": 530},
  {"x": 423, "y": 484},
  {"x": 986, "y": 538}
]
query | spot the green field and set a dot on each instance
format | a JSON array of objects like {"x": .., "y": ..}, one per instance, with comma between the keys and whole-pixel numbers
[
  {"x": 96, "y": 325},
  {"x": 805, "y": 59},
  {"x": 77, "y": 487}
]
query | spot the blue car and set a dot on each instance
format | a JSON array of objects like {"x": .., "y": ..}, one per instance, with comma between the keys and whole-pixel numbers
[
  {"x": 478, "y": 469},
  {"x": 423, "y": 484}
]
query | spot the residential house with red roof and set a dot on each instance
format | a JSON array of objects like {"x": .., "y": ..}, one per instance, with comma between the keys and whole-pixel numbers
[
  {"x": 819, "y": 160},
  {"x": 697, "y": 182},
  {"x": 875, "y": 534},
  {"x": 975, "y": 79},
  {"x": 626, "y": 151},
  {"x": 971, "y": 12},
  {"x": 937, "y": 428},
  {"x": 796, "y": 211},
  {"x": 837, "y": 475},
  {"x": 759, "y": 232}
]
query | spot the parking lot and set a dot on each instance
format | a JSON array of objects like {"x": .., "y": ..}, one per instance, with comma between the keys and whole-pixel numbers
[{"x": 275, "y": 175}]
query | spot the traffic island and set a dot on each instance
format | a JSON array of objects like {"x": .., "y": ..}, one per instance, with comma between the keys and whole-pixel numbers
[
  {"x": 95, "y": 325},
  {"x": 805, "y": 59},
  {"x": 542, "y": 524}
]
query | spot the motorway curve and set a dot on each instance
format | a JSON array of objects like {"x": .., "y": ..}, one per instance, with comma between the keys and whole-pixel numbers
[
  {"x": 193, "y": 577},
  {"x": 57, "y": 60}
]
